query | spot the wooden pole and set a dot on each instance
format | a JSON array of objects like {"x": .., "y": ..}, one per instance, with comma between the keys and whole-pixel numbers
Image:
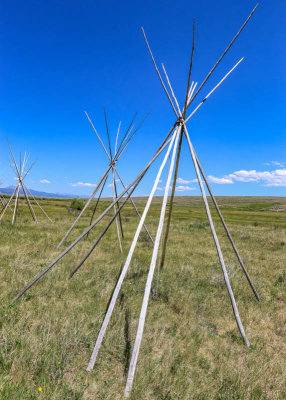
[
  {"x": 159, "y": 75},
  {"x": 115, "y": 210},
  {"x": 86, "y": 205},
  {"x": 219, "y": 252},
  {"x": 164, "y": 246},
  {"x": 137, "y": 344},
  {"x": 127, "y": 263},
  {"x": 114, "y": 181},
  {"x": 15, "y": 205},
  {"x": 221, "y": 57},
  {"x": 38, "y": 203},
  {"x": 208, "y": 95},
  {"x": 91, "y": 219},
  {"x": 134, "y": 206},
  {"x": 228, "y": 233},
  {"x": 190, "y": 73}
]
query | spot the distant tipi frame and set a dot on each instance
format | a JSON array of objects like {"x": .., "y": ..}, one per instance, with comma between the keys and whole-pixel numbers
[
  {"x": 111, "y": 169},
  {"x": 21, "y": 173}
]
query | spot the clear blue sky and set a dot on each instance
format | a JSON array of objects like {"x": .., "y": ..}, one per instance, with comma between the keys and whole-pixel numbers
[{"x": 59, "y": 58}]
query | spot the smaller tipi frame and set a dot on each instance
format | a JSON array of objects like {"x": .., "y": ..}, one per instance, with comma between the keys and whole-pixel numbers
[
  {"x": 115, "y": 173},
  {"x": 113, "y": 159},
  {"x": 21, "y": 174}
]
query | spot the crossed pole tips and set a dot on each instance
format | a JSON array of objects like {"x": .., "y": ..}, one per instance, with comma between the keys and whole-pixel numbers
[
  {"x": 21, "y": 174},
  {"x": 172, "y": 143}
]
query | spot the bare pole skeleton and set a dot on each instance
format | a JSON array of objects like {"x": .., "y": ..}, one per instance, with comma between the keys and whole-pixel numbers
[
  {"x": 116, "y": 171},
  {"x": 21, "y": 175},
  {"x": 21, "y": 183},
  {"x": 109, "y": 168},
  {"x": 129, "y": 188},
  {"x": 176, "y": 123},
  {"x": 225, "y": 274}
]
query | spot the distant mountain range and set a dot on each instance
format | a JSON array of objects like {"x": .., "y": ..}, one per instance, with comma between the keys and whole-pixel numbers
[{"x": 10, "y": 189}]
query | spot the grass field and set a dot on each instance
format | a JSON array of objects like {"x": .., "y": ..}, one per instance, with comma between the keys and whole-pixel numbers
[{"x": 191, "y": 347}]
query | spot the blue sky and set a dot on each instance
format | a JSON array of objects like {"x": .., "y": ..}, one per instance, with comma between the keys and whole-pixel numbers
[{"x": 59, "y": 58}]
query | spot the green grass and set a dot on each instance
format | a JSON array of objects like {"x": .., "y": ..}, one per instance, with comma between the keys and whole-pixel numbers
[{"x": 191, "y": 347}]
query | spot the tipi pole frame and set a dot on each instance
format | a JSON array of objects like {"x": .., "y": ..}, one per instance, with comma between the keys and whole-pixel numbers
[
  {"x": 117, "y": 156},
  {"x": 127, "y": 262},
  {"x": 21, "y": 183},
  {"x": 116, "y": 171},
  {"x": 219, "y": 252}
]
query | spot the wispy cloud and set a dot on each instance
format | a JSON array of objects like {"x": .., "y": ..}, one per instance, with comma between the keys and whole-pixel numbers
[
  {"x": 222, "y": 181},
  {"x": 279, "y": 164},
  {"x": 276, "y": 177},
  {"x": 182, "y": 188},
  {"x": 82, "y": 184},
  {"x": 184, "y": 181},
  {"x": 45, "y": 181},
  {"x": 276, "y": 163}
]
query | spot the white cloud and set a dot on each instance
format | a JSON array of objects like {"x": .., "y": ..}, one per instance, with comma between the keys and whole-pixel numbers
[
  {"x": 279, "y": 164},
  {"x": 266, "y": 178},
  {"x": 44, "y": 181},
  {"x": 181, "y": 180},
  {"x": 159, "y": 188},
  {"x": 221, "y": 181},
  {"x": 110, "y": 185},
  {"x": 83, "y": 184},
  {"x": 276, "y": 163},
  {"x": 184, "y": 188}
]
